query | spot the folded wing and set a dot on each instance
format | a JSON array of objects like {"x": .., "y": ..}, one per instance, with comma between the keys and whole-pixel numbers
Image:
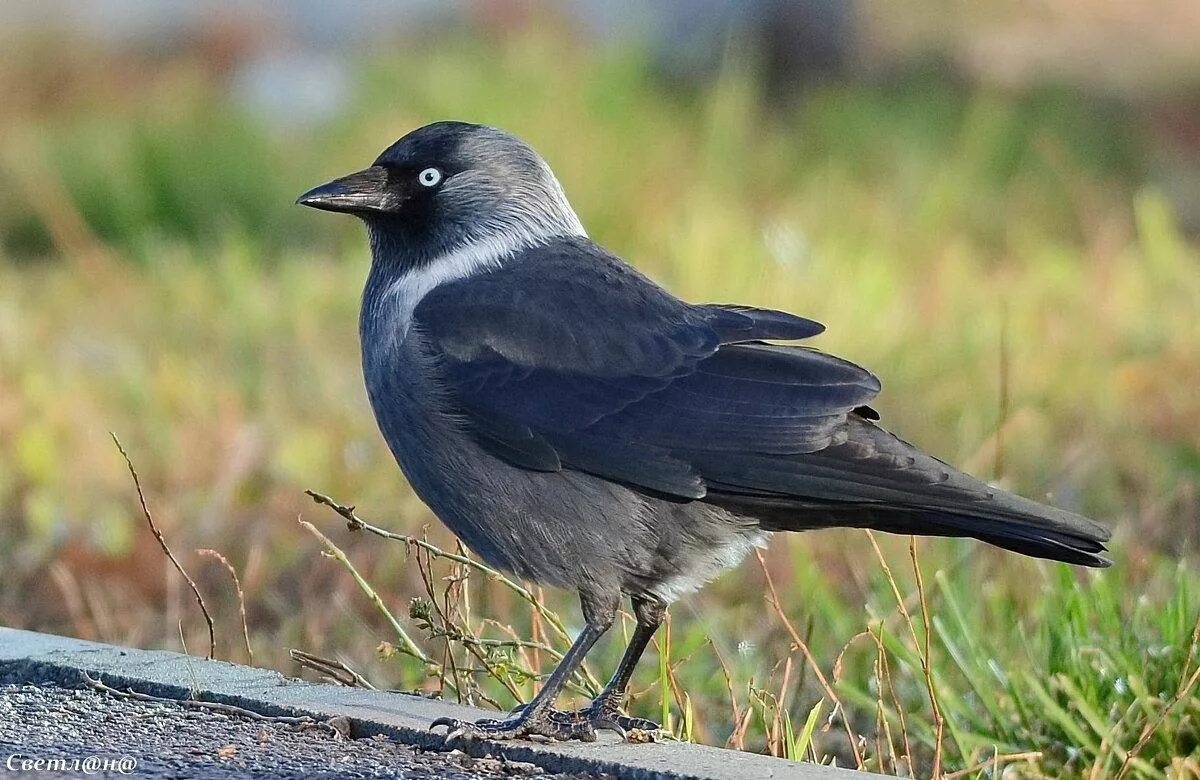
[{"x": 567, "y": 357}]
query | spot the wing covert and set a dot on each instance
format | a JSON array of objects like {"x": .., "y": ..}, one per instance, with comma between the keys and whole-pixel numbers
[{"x": 566, "y": 357}]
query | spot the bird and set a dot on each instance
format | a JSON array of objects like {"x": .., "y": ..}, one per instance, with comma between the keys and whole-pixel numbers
[{"x": 577, "y": 425}]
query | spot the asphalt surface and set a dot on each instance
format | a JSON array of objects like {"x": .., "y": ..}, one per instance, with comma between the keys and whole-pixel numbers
[{"x": 116, "y": 737}]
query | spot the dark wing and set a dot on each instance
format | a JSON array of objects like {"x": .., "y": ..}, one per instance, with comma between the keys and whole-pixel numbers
[{"x": 568, "y": 357}]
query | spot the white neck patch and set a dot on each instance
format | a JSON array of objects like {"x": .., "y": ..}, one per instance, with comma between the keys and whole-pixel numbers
[{"x": 480, "y": 256}]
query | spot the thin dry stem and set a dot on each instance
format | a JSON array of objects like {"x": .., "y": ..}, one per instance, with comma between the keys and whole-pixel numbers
[
  {"x": 733, "y": 702},
  {"x": 211, "y": 706},
  {"x": 537, "y": 634},
  {"x": 408, "y": 646},
  {"x": 137, "y": 484},
  {"x": 1109, "y": 744},
  {"x": 337, "y": 671},
  {"x": 781, "y": 700},
  {"x": 356, "y": 523},
  {"x": 882, "y": 728},
  {"x": 451, "y": 632},
  {"x": 773, "y": 599},
  {"x": 241, "y": 597},
  {"x": 1003, "y": 758},
  {"x": 838, "y": 661},
  {"x": 738, "y": 737},
  {"x": 939, "y": 722},
  {"x": 887, "y": 674},
  {"x": 1185, "y": 687},
  {"x": 673, "y": 685},
  {"x": 926, "y": 661}
]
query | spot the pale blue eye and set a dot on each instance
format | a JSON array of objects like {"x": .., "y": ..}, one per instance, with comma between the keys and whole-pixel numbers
[{"x": 429, "y": 177}]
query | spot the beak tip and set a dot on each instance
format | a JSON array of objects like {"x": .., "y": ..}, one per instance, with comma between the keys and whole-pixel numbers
[
  {"x": 311, "y": 197},
  {"x": 358, "y": 192}
]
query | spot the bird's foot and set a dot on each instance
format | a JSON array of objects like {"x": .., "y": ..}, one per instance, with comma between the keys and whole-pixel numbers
[
  {"x": 605, "y": 714},
  {"x": 591, "y": 720},
  {"x": 544, "y": 724},
  {"x": 558, "y": 725}
]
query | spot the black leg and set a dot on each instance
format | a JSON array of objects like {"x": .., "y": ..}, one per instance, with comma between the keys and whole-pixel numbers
[
  {"x": 649, "y": 615},
  {"x": 537, "y": 717},
  {"x": 605, "y": 710}
]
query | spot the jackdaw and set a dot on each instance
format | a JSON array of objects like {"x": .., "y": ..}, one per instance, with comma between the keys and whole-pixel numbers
[{"x": 577, "y": 425}]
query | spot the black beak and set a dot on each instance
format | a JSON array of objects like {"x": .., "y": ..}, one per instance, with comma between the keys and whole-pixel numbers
[{"x": 366, "y": 190}]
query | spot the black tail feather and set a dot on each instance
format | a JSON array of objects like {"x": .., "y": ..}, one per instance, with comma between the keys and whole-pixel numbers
[
  {"x": 1026, "y": 538},
  {"x": 1082, "y": 545}
]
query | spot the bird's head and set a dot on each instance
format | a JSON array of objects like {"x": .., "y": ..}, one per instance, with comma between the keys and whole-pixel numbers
[{"x": 451, "y": 185}]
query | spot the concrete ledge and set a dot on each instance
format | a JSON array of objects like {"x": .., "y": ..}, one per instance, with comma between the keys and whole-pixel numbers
[{"x": 34, "y": 657}]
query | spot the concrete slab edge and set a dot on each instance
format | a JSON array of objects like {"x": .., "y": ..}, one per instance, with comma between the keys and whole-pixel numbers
[{"x": 35, "y": 657}]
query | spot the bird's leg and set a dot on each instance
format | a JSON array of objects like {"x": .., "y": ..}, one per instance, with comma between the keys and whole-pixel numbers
[
  {"x": 538, "y": 717},
  {"x": 605, "y": 710}
]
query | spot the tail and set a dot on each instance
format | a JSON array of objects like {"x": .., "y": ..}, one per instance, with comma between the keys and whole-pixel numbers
[
  {"x": 1030, "y": 534},
  {"x": 1033, "y": 530},
  {"x": 877, "y": 481}
]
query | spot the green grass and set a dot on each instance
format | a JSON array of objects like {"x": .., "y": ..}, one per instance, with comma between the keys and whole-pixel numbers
[{"x": 997, "y": 259}]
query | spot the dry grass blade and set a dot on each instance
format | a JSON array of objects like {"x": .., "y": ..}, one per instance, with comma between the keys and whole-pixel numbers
[
  {"x": 356, "y": 523},
  {"x": 241, "y": 597},
  {"x": 537, "y": 634},
  {"x": 1186, "y": 684},
  {"x": 407, "y": 645},
  {"x": 886, "y": 671},
  {"x": 736, "y": 739},
  {"x": 334, "y": 670},
  {"x": 926, "y": 664},
  {"x": 996, "y": 761},
  {"x": 773, "y": 598},
  {"x": 777, "y": 723},
  {"x": 921, "y": 648},
  {"x": 137, "y": 484}
]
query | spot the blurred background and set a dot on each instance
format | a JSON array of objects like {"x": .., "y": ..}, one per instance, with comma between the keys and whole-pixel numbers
[{"x": 997, "y": 209}]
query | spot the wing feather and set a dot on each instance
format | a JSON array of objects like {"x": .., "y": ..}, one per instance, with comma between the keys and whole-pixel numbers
[{"x": 567, "y": 357}]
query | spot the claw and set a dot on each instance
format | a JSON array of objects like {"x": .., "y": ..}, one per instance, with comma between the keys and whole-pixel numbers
[
  {"x": 455, "y": 728},
  {"x": 448, "y": 722},
  {"x": 605, "y": 722},
  {"x": 639, "y": 724}
]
